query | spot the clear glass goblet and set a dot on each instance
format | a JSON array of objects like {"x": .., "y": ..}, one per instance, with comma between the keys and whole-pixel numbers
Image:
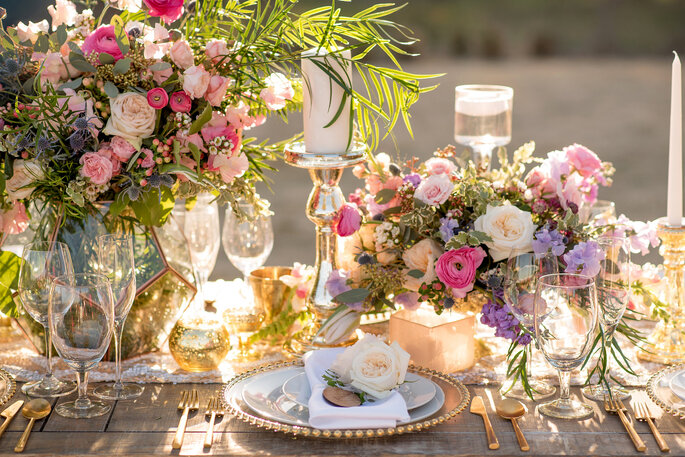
[
  {"x": 81, "y": 321},
  {"x": 42, "y": 261},
  {"x": 566, "y": 315},
  {"x": 116, "y": 262},
  {"x": 482, "y": 119},
  {"x": 613, "y": 295},
  {"x": 201, "y": 228},
  {"x": 521, "y": 275}
]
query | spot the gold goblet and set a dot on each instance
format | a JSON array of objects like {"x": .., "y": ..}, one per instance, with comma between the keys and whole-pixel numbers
[
  {"x": 270, "y": 293},
  {"x": 243, "y": 322}
]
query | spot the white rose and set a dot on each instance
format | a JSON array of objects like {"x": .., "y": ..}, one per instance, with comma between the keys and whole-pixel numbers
[
  {"x": 25, "y": 173},
  {"x": 372, "y": 366},
  {"x": 510, "y": 228},
  {"x": 132, "y": 118}
]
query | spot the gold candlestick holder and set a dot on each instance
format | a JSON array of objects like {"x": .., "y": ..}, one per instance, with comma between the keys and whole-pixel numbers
[
  {"x": 323, "y": 204},
  {"x": 667, "y": 343}
]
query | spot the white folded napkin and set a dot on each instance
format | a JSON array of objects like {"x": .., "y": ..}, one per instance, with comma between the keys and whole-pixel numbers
[
  {"x": 677, "y": 384},
  {"x": 380, "y": 414}
]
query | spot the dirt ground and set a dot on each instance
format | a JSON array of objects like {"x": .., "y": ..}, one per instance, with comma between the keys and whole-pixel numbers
[{"x": 617, "y": 107}]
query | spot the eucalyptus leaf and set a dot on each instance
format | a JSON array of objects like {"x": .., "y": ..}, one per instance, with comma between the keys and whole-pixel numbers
[
  {"x": 106, "y": 59},
  {"x": 42, "y": 44},
  {"x": 79, "y": 62},
  {"x": 418, "y": 274},
  {"x": 122, "y": 66},
  {"x": 61, "y": 35},
  {"x": 73, "y": 84},
  {"x": 160, "y": 66},
  {"x": 352, "y": 296},
  {"x": 111, "y": 89},
  {"x": 74, "y": 48},
  {"x": 385, "y": 195}
]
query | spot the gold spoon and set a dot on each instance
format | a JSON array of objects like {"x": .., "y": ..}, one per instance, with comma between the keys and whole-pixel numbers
[
  {"x": 512, "y": 409},
  {"x": 37, "y": 408}
]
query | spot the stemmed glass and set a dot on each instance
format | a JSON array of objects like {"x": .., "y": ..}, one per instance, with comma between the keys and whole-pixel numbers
[
  {"x": 81, "y": 321},
  {"x": 201, "y": 228},
  {"x": 521, "y": 274},
  {"x": 116, "y": 262},
  {"x": 613, "y": 295},
  {"x": 482, "y": 119},
  {"x": 565, "y": 327},
  {"x": 42, "y": 261}
]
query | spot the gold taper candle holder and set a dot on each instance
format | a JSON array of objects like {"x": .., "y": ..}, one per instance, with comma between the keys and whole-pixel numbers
[
  {"x": 323, "y": 204},
  {"x": 667, "y": 343}
]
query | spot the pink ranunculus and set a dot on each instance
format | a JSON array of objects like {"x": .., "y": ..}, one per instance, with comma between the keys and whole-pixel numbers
[
  {"x": 168, "y": 10},
  {"x": 102, "y": 39},
  {"x": 195, "y": 81},
  {"x": 148, "y": 160},
  {"x": 584, "y": 160},
  {"x": 217, "y": 89},
  {"x": 229, "y": 167},
  {"x": 161, "y": 76},
  {"x": 217, "y": 50},
  {"x": 180, "y": 102},
  {"x": 278, "y": 89},
  {"x": 457, "y": 268},
  {"x": 14, "y": 221},
  {"x": 348, "y": 220},
  {"x": 157, "y": 98},
  {"x": 438, "y": 165},
  {"x": 434, "y": 190},
  {"x": 122, "y": 149},
  {"x": 181, "y": 54},
  {"x": 96, "y": 167}
]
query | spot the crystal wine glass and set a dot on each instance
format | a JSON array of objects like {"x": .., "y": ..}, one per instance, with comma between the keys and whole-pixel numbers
[
  {"x": 247, "y": 243},
  {"x": 201, "y": 228},
  {"x": 613, "y": 295},
  {"x": 42, "y": 261},
  {"x": 81, "y": 321},
  {"x": 482, "y": 119},
  {"x": 566, "y": 314},
  {"x": 521, "y": 274},
  {"x": 116, "y": 262}
]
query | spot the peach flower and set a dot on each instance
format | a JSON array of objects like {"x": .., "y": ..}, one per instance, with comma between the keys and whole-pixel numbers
[
  {"x": 195, "y": 81},
  {"x": 181, "y": 54},
  {"x": 422, "y": 256},
  {"x": 217, "y": 89}
]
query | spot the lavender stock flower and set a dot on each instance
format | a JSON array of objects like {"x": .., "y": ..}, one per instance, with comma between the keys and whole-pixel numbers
[
  {"x": 496, "y": 316},
  {"x": 545, "y": 240},
  {"x": 414, "y": 179},
  {"x": 584, "y": 259},
  {"x": 448, "y": 228}
]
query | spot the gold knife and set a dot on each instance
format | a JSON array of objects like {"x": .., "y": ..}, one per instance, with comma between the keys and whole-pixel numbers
[
  {"x": 9, "y": 414},
  {"x": 478, "y": 407}
]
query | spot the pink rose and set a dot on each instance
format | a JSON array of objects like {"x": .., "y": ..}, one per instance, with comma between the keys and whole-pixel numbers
[
  {"x": 217, "y": 89},
  {"x": 278, "y": 89},
  {"x": 434, "y": 190},
  {"x": 102, "y": 40},
  {"x": 457, "y": 269},
  {"x": 229, "y": 167},
  {"x": 348, "y": 220},
  {"x": 14, "y": 221},
  {"x": 180, "y": 102},
  {"x": 157, "y": 98},
  {"x": 438, "y": 165},
  {"x": 122, "y": 149},
  {"x": 582, "y": 159},
  {"x": 181, "y": 54},
  {"x": 148, "y": 160},
  {"x": 96, "y": 167},
  {"x": 107, "y": 152},
  {"x": 217, "y": 50},
  {"x": 540, "y": 183},
  {"x": 195, "y": 81},
  {"x": 168, "y": 10}
]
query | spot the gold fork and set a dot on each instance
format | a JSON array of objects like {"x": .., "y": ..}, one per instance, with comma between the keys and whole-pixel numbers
[
  {"x": 214, "y": 410},
  {"x": 643, "y": 413},
  {"x": 190, "y": 401},
  {"x": 617, "y": 407}
]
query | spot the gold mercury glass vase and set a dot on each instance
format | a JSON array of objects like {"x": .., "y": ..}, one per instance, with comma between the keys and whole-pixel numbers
[{"x": 199, "y": 341}]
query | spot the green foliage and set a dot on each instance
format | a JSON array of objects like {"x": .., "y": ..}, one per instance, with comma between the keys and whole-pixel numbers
[
  {"x": 154, "y": 206},
  {"x": 9, "y": 279}
]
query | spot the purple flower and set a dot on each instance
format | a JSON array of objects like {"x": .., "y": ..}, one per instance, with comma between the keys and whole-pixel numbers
[
  {"x": 414, "y": 179},
  {"x": 448, "y": 228},
  {"x": 584, "y": 259},
  {"x": 507, "y": 326},
  {"x": 337, "y": 284},
  {"x": 546, "y": 240},
  {"x": 409, "y": 300}
]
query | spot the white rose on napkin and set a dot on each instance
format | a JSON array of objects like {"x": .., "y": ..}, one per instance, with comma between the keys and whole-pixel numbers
[{"x": 372, "y": 366}]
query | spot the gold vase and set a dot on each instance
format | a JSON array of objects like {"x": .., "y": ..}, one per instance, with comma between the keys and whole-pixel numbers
[
  {"x": 270, "y": 293},
  {"x": 199, "y": 341}
]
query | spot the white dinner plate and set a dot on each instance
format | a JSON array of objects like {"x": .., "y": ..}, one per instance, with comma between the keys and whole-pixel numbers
[
  {"x": 264, "y": 395},
  {"x": 416, "y": 391},
  {"x": 677, "y": 384}
]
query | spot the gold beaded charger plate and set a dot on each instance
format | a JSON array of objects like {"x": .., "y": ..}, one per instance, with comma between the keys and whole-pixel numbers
[
  {"x": 286, "y": 416},
  {"x": 7, "y": 386},
  {"x": 659, "y": 390}
]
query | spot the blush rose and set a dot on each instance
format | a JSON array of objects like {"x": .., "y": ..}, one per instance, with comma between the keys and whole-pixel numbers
[{"x": 96, "y": 167}]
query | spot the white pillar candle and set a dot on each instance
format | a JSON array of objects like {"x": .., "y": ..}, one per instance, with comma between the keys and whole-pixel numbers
[
  {"x": 321, "y": 100},
  {"x": 675, "y": 150}
]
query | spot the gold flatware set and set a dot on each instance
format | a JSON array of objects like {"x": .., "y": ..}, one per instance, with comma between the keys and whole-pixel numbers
[{"x": 190, "y": 401}]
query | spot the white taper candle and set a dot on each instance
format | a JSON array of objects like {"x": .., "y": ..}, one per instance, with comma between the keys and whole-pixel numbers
[{"x": 675, "y": 150}]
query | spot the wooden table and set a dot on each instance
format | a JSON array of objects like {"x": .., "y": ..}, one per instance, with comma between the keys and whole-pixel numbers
[{"x": 146, "y": 427}]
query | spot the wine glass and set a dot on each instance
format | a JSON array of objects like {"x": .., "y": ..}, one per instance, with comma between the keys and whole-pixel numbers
[
  {"x": 201, "y": 228},
  {"x": 601, "y": 211},
  {"x": 613, "y": 295},
  {"x": 116, "y": 262},
  {"x": 565, "y": 328},
  {"x": 521, "y": 274},
  {"x": 244, "y": 320},
  {"x": 42, "y": 261},
  {"x": 81, "y": 318},
  {"x": 249, "y": 242},
  {"x": 482, "y": 119}
]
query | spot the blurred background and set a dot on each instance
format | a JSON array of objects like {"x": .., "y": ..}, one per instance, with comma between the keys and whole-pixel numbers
[{"x": 594, "y": 72}]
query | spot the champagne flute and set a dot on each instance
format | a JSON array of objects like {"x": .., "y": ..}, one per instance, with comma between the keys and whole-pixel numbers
[
  {"x": 521, "y": 274},
  {"x": 566, "y": 314},
  {"x": 201, "y": 228},
  {"x": 42, "y": 261},
  {"x": 81, "y": 318},
  {"x": 613, "y": 295},
  {"x": 116, "y": 262},
  {"x": 482, "y": 119}
]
